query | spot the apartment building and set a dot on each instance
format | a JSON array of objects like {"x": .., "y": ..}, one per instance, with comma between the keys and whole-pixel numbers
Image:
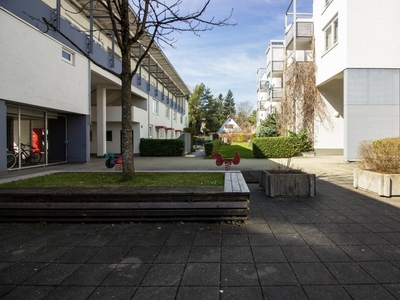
[
  {"x": 270, "y": 80},
  {"x": 53, "y": 98},
  {"x": 353, "y": 47}
]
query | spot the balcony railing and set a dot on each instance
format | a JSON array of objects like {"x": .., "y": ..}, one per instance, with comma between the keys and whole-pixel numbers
[
  {"x": 304, "y": 30},
  {"x": 275, "y": 66}
]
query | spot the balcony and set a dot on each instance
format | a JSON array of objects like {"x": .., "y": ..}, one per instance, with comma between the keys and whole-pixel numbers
[
  {"x": 275, "y": 67},
  {"x": 303, "y": 31}
]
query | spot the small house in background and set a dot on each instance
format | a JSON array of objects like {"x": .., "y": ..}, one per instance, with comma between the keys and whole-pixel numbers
[{"x": 229, "y": 126}]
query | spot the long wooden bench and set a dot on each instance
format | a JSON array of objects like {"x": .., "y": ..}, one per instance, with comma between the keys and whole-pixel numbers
[{"x": 128, "y": 204}]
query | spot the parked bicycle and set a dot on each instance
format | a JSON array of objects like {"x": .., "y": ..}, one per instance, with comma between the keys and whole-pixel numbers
[{"x": 28, "y": 155}]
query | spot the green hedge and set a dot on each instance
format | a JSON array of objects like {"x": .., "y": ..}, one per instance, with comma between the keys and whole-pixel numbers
[
  {"x": 275, "y": 147},
  {"x": 211, "y": 146},
  {"x": 156, "y": 147}
]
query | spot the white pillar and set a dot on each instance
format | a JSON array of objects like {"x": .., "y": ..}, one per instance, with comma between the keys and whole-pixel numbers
[{"x": 101, "y": 121}]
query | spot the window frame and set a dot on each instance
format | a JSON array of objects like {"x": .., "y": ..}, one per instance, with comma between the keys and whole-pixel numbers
[
  {"x": 331, "y": 34},
  {"x": 71, "y": 56}
]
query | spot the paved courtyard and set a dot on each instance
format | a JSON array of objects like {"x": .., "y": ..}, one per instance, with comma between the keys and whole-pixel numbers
[{"x": 341, "y": 244}]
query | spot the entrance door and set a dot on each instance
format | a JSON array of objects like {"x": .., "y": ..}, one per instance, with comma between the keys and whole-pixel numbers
[{"x": 56, "y": 139}]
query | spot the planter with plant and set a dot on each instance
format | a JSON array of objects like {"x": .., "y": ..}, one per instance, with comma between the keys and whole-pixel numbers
[
  {"x": 379, "y": 167},
  {"x": 287, "y": 182}
]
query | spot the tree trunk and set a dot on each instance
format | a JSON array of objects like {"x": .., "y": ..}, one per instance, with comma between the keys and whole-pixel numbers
[{"x": 128, "y": 167}]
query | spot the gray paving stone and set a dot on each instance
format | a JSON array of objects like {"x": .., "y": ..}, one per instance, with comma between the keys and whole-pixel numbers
[
  {"x": 382, "y": 271},
  {"x": 299, "y": 254},
  {"x": 237, "y": 254},
  {"x": 343, "y": 238},
  {"x": 46, "y": 254},
  {"x": 5, "y": 288},
  {"x": 201, "y": 274},
  {"x": 78, "y": 255},
  {"x": 53, "y": 274},
  {"x": 390, "y": 252},
  {"x": 369, "y": 238},
  {"x": 112, "y": 293},
  {"x": 262, "y": 239},
  {"x": 284, "y": 293},
  {"x": 16, "y": 254},
  {"x": 173, "y": 255},
  {"x": 98, "y": 240},
  {"x": 141, "y": 255},
  {"x": 181, "y": 239},
  {"x": 290, "y": 239},
  {"x": 154, "y": 293},
  {"x": 316, "y": 239},
  {"x": 70, "y": 292},
  {"x": 268, "y": 254},
  {"x": 164, "y": 275},
  {"x": 258, "y": 228},
  {"x": 392, "y": 237},
  {"x": 69, "y": 240},
  {"x": 349, "y": 273},
  {"x": 282, "y": 227},
  {"x": 18, "y": 273},
  {"x": 239, "y": 293},
  {"x": 126, "y": 275},
  {"x": 330, "y": 253},
  {"x": 306, "y": 228},
  {"x": 124, "y": 240},
  {"x": 330, "y": 228},
  {"x": 28, "y": 293},
  {"x": 276, "y": 274},
  {"x": 198, "y": 293},
  {"x": 393, "y": 288},
  {"x": 235, "y": 240},
  {"x": 153, "y": 238},
  {"x": 326, "y": 292},
  {"x": 370, "y": 292},
  {"x": 205, "y": 238},
  {"x": 238, "y": 275},
  {"x": 89, "y": 275},
  {"x": 361, "y": 253},
  {"x": 109, "y": 255},
  {"x": 313, "y": 273},
  {"x": 205, "y": 254}
]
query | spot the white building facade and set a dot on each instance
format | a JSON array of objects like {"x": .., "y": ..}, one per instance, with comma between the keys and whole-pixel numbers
[
  {"x": 358, "y": 71},
  {"x": 53, "y": 98}
]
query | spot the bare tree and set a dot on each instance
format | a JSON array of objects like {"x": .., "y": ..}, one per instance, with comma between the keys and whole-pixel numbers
[
  {"x": 244, "y": 110},
  {"x": 143, "y": 24}
]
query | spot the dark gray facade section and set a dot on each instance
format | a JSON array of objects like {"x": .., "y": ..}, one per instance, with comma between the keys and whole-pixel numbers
[{"x": 78, "y": 135}]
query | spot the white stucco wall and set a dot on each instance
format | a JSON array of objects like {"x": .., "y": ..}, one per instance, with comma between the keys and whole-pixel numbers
[{"x": 36, "y": 73}]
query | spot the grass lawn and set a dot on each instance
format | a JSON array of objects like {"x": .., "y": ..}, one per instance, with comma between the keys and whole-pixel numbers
[
  {"x": 95, "y": 179},
  {"x": 243, "y": 148}
]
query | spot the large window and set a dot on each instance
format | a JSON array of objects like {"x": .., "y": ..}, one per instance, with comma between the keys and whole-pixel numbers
[
  {"x": 155, "y": 106},
  {"x": 331, "y": 34}
]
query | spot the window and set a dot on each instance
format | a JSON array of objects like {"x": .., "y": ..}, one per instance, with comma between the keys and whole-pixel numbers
[
  {"x": 331, "y": 34},
  {"x": 67, "y": 56},
  {"x": 161, "y": 133},
  {"x": 167, "y": 112},
  {"x": 181, "y": 119},
  {"x": 109, "y": 136},
  {"x": 175, "y": 115},
  {"x": 155, "y": 106}
]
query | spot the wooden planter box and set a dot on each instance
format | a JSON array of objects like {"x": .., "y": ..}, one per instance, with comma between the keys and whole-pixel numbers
[
  {"x": 385, "y": 185},
  {"x": 288, "y": 185}
]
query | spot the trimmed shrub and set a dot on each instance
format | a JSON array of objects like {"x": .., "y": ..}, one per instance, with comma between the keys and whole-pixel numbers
[
  {"x": 381, "y": 156},
  {"x": 158, "y": 147},
  {"x": 211, "y": 146},
  {"x": 302, "y": 141},
  {"x": 274, "y": 147}
]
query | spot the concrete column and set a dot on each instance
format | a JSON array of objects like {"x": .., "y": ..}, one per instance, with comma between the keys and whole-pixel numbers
[
  {"x": 101, "y": 120},
  {"x": 3, "y": 137}
]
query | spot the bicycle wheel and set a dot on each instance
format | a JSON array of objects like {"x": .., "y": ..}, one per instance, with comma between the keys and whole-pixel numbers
[
  {"x": 35, "y": 157},
  {"x": 109, "y": 164},
  {"x": 11, "y": 160}
]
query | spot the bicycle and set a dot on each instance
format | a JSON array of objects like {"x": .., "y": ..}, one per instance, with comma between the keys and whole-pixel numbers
[{"x": 28, "y": 155}]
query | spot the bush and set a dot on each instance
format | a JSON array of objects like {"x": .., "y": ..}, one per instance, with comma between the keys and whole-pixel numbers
[
  {"x": 211, "y": 146},
  {"x": 275, "y": 147},
  {"x": 301, "y": 139},
  {"x": 268, "y": 127},
  {"x": 157, "y": 147},
  {"x": 381, "y": 156}
]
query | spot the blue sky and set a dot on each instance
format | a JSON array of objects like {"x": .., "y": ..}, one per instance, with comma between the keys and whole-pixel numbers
[{"x": 229, "y": 57}]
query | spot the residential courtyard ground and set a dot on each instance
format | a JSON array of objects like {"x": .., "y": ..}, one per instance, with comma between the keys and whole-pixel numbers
[{"x": 341, "y": 244}]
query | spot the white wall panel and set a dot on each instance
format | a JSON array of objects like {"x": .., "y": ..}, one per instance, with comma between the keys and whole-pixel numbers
[{"x": 36, "y": 73}]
